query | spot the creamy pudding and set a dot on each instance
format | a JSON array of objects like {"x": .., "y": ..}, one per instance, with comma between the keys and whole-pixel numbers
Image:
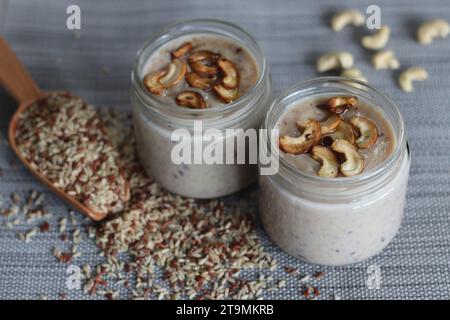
[
  {"x": 198, "y": 70},
  {"x": 339, "y": 219}
]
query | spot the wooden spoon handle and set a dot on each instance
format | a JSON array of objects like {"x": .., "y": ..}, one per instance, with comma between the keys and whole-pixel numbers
[{"x": 14, "y": 77}]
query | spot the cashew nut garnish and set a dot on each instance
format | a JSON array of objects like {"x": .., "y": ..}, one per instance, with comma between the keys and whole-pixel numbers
[
  {"x": 203, "y": 55},
  {"x": 377, "y": 40},
  {"x": 341, "y": 19},
  {"x": 151, "y": 82},
  {"x": 409, "y": 75},
  {"x": 230, "y": 73},
  {"x": 385, "y": 60},
  {"x": 204, "y": 68},
  {"x": 432, "y": 29},
  {"x": 197, "y": 81},
  {"x": 203, "y": 62},
  {"x": 354, "y": 163},
  {"x": 175, "y": 73},
  {"x": 191, "y": 99},
  {"x": 224, "y": 94},
  {"x": 311, "y": 136},
  {"x": 338, "y": 104},
  {"x": 343, "y": 131},
  {"x": 368, "y": 132},
  {"x": 330, "y": 164},
  {"x": 353, "y": 73},
  {"x": 182, "y": 50},
  {"x": 334, "y": 60},
  {"x": 330, "y": 124}
]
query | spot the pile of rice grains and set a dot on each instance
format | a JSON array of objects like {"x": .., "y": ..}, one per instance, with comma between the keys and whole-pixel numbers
[{"x": 160, "y": 246}]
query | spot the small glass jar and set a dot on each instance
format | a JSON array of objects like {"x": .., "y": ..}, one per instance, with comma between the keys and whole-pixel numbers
[
  {"x": 155, "y": 120},
  {"x": 342, "y": 220}
]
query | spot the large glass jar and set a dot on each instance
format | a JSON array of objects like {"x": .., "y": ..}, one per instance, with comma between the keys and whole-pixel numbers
[
  {"x": 335, "y": 221},
  {"x": 155, "y": 120}
]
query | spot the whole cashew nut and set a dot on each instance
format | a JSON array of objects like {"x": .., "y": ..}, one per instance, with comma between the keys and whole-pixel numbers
[
  {"x": 343, "y": 18},
  {"x": 354, "y": 163},
  {"x": 409, "y": 75},
  {"x": 432, "y": 29},
  {"x": 377, "y": 40},
  {"x": 175, "y": 73},
  {"x": 368, "y": 131},
  {"x": 385, "y": 60},
  {"x": 311, "y": 136},
  {"x": 334, "y": 60},
  {"x": 353, "y": 73},
  {"x": 330, "y": 124},
  {"x": 330, "y": 164},
  {"x": 343, "y": 131}
]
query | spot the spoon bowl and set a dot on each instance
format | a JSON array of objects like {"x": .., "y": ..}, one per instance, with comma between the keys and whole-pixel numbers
[{"x": 17, "y": 81}]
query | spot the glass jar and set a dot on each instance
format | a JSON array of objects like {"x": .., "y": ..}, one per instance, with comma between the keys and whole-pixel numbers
[
  {"x": 342, "y": 220},
  {"x": 155, "y": 120}
]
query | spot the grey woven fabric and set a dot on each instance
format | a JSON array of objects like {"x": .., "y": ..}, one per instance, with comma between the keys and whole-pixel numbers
[{"x": 96, "y": 65}]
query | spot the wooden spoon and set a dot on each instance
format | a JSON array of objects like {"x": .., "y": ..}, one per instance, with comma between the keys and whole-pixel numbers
[{"x": 21, "y": 86}]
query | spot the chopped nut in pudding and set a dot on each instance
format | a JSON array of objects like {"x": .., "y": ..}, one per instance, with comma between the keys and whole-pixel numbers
[
  {"x": 214, "y": 67},
  {"x": 315, "y": 132}
]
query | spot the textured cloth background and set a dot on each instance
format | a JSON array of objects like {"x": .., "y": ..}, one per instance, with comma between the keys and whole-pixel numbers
[{"x": 96, "y": 65}]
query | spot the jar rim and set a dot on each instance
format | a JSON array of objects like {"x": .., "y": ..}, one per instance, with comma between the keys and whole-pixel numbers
[
  {"x": 355, "y": 86},
  {"x": 156, "y": 101}
]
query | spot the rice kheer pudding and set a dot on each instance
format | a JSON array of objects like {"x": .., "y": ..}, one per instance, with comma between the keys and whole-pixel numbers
[
  {"x": 335, "y": 202},
  {"x": 227, "y": 48},
  {"x": 205, "y": 71}
]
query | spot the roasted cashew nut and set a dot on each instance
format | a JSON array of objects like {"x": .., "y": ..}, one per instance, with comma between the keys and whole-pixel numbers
[
  {"x": 191, "y": 99},
  {"x": 175, "y": 73},
  {"x": 385, "y": 60},
  {"x": 197, "y": 81},
  {"x": 330, "y": 164},
  {"x": 353, "y": 73},
  {"x": 310, "y": 137},
  {"x": 202, "y": 55},
  {"x": 354, "y": 163},
  {"x": 343, "y": 18},
  {"x": 338, "y": 104},
  {"x": 224, "y": 94},
  {"x": 330, "y": 124},
  {"x": 334, "y": 60},
  {"x": 432, "y": 29},
  {"x": 368, "y": 132},
  {"x": 151, "y": 82},
  {"x": 182, "y": 50},
  {"x": 343, "y": 131},
  {"x": 204, "y": 62},
  {"x": 409, "y": 75},
  {"x": 204, "y": 68},
  {"x": 378, "y": 40},
  {"x": 230, "y": 73}
]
